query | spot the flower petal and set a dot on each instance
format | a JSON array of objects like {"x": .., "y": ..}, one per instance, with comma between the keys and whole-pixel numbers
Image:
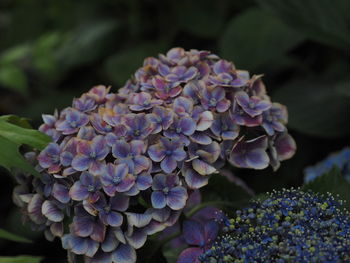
[
  {"x": 158, "y": 199},
  {"x": 124, "y": 254},
  {"x": 177, "y": 198}
]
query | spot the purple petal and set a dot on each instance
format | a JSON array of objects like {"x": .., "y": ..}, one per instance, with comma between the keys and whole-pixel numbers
[
  {"x": 78, "y": 192},
  {"x": 285, "y": 146},
  {"x": 99, "y": 232},
  {"x": 201, "y": 138},
  {"x": 159, "y": 182},
  {"x": 34, "y": 209},
  {"x": 121, "y": 149},
  {"x": 156, "y": 153},
  {"x": 81, "y": 162},
  {"x": 257, "y": 159},
  {"x": 137, "y": 239},
  {"x": 223, "y": 105},
  {"x": 119, "y": 202},
  {"x": 194, "y": 180},
  {"x": 78, "y": 245},
  {"x": 83, "y": 226},
  {"x": 92, "y": 247},
  {"x": 211, "y": 230},
  {"x": 114, "y": 219},
  {"x": 168, "y": 165},
  {"x": 158, "y": 199},
  {"x": 202, "y": 167},
  {"x": 161, "y": 215},
  {"x": 190, "y": 255},
  {"x": 61, "y": 193},
  {"x": 205, "y": 120},
  {"x": 138, "y": 220},
  {"x": 144, "y": 181},
  {"x": 124, "y": 254},
  {"x": 110, "y": 243},
  {"x": 141, "y": 163},
  {"x": 126, "y": 184},
  {"x": 177, "y": 198},
  {"x": 52, "y": 212},
  {"x": 242, "y": 99},
  {"x": 193, "y": 233},
  {"x": 84, "y": 148},
  {"x": 187, "y": 125}
]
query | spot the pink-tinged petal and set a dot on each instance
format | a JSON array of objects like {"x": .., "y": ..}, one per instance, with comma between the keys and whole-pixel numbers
[
  {"x": 193, "y": 233},
  {"x": 137, "y": 147},
  {"x": 137, "y": 239},
  {"x": 242, "y": 98},
  {"x": 99, "y": 232},
  {"x": 81, "y": 162},
  {"x": 121, "y": 149},
  {"x": 190, "y": 255},
  {"x": 97, "y": 167},
  {"x": 124, "y": 254},
  {"x": 158, "y": 199},
  {"x": 202, "y": 167},
  {"x": 223, "y": 105},
  {"x": 156, "y": 153},
  {"x": 218, "y": 93},
  {"x": 187, "y": 125},
  {"x": 201, "y": 138},
  {"x": 78, "y": 192},
  {"x": 84, "y": 148},
  {"x": 110, "y": 190},
  {"x": 119, "y": 202},
  {"x": 205, "y": 121},
  {"x": 83, "y": 226},
  {"x": 141, "y": 163},
  {"x": 61, "y": 193},
  {"x": 257, "y": 159},
  {"x": 139, "y": 220},
  {"x": 285, "y": 146},
  {"x": 194, "y": 180},
  {"x": 175, "y": 91},
  {"x": 52, "y": 212},
  {"x": 126, "y": 183},
  {"x": 98, "y": 145},
  {"x": 114, "y": 219},
  {"x": 87, "y": 178},
  {"x": 177, "y": 198},
  {"x": 57, "y": 229},
  {"x": 168, "y": 165}
]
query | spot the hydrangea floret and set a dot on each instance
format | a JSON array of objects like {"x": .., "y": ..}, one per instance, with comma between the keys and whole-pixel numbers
[
  {"x": 288, "y": 226},
  {"x": 123, "y": 165}
]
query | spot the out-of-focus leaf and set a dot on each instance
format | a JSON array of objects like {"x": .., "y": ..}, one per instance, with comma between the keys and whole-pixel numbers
[
  {"x": 256, "y": 38},
  {"x": 16, "y": 120},
  {"x": 15, "y": 54},
  {"x": 13, "y": 78},
  {"x": 171, "y": 254},
  {"x": 44, "y": 59},
  {"x": 122, "y": 65},
  {"x": 326, "y": 21},
  {"x": 333, "y": 182},
  {"x": 20, "y": 135},
  {"x": 21, "y": 259},
  {"x": 343, "y": 88},
  {"x": 12, "y": 237},
  {"x": 204, "y": 19},
  {"x": 86, "y": 43},
  {"x": 316, "y": 108},
  {"x": 11, "y": 158}
]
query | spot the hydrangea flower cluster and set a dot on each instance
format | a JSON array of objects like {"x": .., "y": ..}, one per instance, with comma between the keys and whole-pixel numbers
[
  {"x": 340, "y": 160},
  {"x": 289, "y": 226},
  {"x": 122, "y": 165}
]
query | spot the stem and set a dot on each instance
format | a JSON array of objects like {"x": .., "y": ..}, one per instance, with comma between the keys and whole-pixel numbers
[{"x": 212, "y": 203}]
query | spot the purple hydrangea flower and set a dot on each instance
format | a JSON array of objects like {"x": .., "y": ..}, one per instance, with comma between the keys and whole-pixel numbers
[
  {"x": 132, "y": 155},
  {"x": 168, "y": 192},
  {"x": 155, "y": 141},
  {"x": 143, "y": 101},
  {"x": 90, "y": 154},
  {"x": 49, "y": 158},
  {"x": 116, "y": 178},
  {"x": 72, "y": 121},
  {"x": 168, "y": 153},
  {"x": 250, "y": 154},
  {"x": 214, "y": 99},
  {"x": 254, "y": 106},
  {"x": 87, "y": 188},
  {"x": 181, "y": 129}
]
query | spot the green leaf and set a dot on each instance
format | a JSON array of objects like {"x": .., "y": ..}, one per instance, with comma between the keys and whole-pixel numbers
[
  {"x": 326, "y": 21},
  {"x": 333, "y": 182},
  {"x": 171, "y": 254},
  {"x": 21, "y": 259},
  {"x": 12, "y": 237},
  {"x": 121, "y": 66},
  {"x": 20, "y": 135},
  {"x": 16, "y": 120},
  {"x": 343, "y": 88},
  {"x": 10, "y": 157},
  {"x": 12, "y": 77},
  {"x": 316, "y": 108},
  {"x": 86, "y": 43},
  {"x": 256, "y": 38},
  {"x": 15, "y": 54}
]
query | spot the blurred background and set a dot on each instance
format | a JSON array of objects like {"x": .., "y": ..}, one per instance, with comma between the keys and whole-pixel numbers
[{"x": 52, "y": 51}]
